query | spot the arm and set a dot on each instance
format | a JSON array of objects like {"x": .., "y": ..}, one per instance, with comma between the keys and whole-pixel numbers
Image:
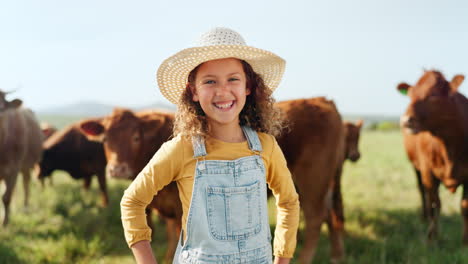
[
  {"x": 160, "y": 171},
  {"x": 287, "y": 203},
  {"x": 143, "y": 253}
]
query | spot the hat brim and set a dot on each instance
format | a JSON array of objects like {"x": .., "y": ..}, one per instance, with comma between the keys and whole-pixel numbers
[{"x": 172, "y": 75}]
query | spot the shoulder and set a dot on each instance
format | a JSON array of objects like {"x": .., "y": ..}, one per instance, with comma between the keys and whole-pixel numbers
[
  {"x": 176, "y": 147},
  {"x": 268, "y": 143}
]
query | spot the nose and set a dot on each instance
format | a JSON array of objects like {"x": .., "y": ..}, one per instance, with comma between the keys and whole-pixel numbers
[
  {"x": 354, "y": 156},
  {"x": 118, "y": 170},
  {"x": 407, "y": 121},
  {"x": 404, "y": 120},
  {"x": 222, "y": 88}
]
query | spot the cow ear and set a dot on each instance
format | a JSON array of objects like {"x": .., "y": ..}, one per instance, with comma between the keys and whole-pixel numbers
[
  {"x": 359, "y": 123},
  {"x": 15, "y": 103},
  {"x": 153, "y": 127},
  {"x": 456, "y": 82},
  {"x": 403, "y": 88},
  {"x": 92, "y": 129}
]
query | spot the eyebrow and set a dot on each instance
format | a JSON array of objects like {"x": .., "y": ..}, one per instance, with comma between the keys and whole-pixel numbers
[{"x": 214, "y": 76}]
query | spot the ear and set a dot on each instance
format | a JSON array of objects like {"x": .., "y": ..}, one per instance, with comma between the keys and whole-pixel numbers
[
  {"x": 92, "y": 129},
  {"x": 359, "y": 123},
  {"x": 193, "y": 91},
  {"x": 15, "y": 103},
  {"x": 247, "y": 90},
  {"x": 456, "y": 82},
  {"x": 403, "y": 88}
]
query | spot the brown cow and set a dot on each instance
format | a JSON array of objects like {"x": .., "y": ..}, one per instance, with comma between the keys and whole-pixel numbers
[
  {"x": 351, "y": 152},
  {"x": 20, "y": 147},
  {"x": 353, "y": 131},
  {"x": 130, "y": 140},
  {"x": 435, "y": 130},
  {"x": 314, "y": 148},
  {"x": 69, "y": 150}
]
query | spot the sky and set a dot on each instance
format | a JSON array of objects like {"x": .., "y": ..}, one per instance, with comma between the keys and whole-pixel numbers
[{"x": 55, "y": 53}]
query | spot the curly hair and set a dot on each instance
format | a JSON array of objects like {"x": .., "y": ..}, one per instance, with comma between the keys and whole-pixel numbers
[{"x": 259, "y": 111}]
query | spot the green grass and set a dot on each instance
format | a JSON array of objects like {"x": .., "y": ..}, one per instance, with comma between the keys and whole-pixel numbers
[{"x": 65, "y": 224}]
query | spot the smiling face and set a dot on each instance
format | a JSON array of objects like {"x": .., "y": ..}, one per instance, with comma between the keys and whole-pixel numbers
[{"x": 221, "y": 89}]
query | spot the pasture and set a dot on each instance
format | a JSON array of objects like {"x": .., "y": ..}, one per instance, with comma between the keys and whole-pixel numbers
[{"x": 65, "y": 224}]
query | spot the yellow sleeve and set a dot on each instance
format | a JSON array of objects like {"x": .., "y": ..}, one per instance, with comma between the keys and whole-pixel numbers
[
  {"x": 159, "y": 172},
  {"x": 287, "y": 203}
]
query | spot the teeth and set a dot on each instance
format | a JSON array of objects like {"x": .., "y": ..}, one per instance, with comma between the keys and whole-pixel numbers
[{"x": 223, "y": 106}]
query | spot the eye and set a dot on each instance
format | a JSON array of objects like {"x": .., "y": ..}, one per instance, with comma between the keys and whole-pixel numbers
[
  {"x": 136, "y": 138},
  {"x": 209, "y": 82},
  {"x": 233, "y": 79}
]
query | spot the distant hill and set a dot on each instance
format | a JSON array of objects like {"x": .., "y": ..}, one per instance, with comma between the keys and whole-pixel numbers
[
  {"x": 64, "y": 115},
  {"x": 92, "y": 109}
]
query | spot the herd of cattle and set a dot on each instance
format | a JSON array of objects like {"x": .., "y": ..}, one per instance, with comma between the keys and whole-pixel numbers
[{"x": 316, "y": 144}]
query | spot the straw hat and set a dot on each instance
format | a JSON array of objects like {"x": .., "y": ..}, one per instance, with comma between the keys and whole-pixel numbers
[{"x": 217, "y": 43}]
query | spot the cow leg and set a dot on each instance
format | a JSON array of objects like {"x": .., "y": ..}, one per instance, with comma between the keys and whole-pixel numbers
[
  {"x": 87, "y": 182},
  {"x": 335, "y": 222},
  {"x": 433, "y": 203},
  {"x": 103, "y": 188},
  {"x": 42, "y": 181},
  {"x": 26, "y": 180},
  {"x": 51, "y": 180},
  {"x": 314, "y": 217},
  {"x": 421, "y": 189},
  {"x": 173, "y": 233},
  {"x": 10, "y": 182},
  {"x": 464, "y": 210}
]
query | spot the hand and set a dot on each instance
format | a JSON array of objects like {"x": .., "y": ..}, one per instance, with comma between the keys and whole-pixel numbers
[
  {"x": 280, "y": 260},
  {"x": 143, "y": 252}
]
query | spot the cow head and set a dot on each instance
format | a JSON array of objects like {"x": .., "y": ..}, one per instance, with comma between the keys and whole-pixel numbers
[
  {"x": 432, "y": 107},
  {"x": 353, "y": 130},
  {"x": 45, "y": 167},
  {"x": 126, "y": 138}
]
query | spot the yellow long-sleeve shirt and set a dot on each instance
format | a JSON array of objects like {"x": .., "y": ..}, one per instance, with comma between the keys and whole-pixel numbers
[{"x": 174, "y": 162}]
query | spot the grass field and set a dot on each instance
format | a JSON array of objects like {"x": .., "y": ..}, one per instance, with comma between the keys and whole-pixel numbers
[{"x": 65, "y": 224}]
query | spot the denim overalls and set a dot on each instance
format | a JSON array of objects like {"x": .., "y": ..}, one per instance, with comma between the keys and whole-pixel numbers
[{"x": 228, "y": 217}]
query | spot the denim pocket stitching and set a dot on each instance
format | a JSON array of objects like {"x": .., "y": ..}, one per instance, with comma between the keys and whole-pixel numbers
[{"x": 226, "y": 192}]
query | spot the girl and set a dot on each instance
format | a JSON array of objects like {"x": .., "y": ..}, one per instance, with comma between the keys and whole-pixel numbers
[{"x": 222, "y": 156}]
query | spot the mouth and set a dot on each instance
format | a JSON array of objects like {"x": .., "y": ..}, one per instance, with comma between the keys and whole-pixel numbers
[
  {"x": 121, "y": 176},
  {"x": 410, "y": 125},
  {"x": 225, "y": 105}
]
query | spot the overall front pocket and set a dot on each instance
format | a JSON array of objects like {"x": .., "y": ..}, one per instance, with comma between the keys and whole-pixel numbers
[{"x": 234, "y": 212}]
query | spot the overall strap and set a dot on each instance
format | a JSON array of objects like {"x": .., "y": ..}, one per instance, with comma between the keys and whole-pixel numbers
[
  {"x": 252, "y": 139},
  {"x": 198, "y": 144}
]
